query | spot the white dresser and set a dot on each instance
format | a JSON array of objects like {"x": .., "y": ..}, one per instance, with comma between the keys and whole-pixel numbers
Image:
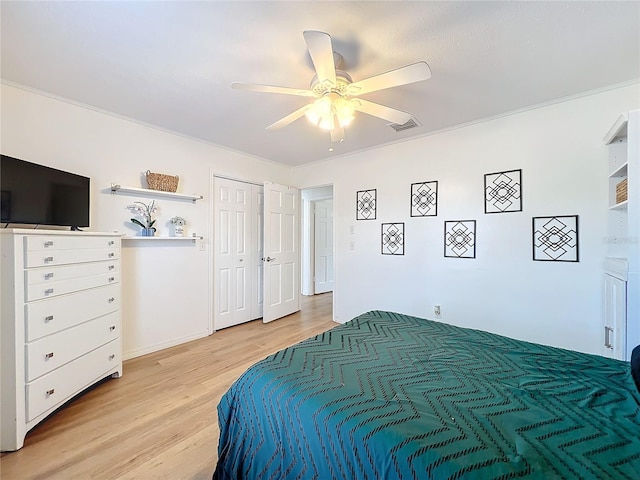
[{"x": 60, "y": 326}]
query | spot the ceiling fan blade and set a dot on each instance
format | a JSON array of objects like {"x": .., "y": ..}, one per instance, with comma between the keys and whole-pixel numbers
[
  {"x": 415, "y": 72},
  {"x": 321, "y": 51},
  {"x": 337, "y": 134},
  {"x": 292, "y": 117},
  {"x": 380, "y": 111},
  {"x": 271, "y": 89}
]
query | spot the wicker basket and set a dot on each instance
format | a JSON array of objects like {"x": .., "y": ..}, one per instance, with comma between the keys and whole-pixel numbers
[
  {"x": 162, "y": 182},
  {"x": 621, "y": 191}
]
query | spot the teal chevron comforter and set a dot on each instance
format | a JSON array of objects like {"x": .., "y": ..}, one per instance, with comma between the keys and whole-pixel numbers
[{"x": 389, "y": 396}]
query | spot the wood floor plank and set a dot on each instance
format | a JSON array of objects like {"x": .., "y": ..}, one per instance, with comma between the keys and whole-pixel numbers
[{"x": 159, "y": 420}]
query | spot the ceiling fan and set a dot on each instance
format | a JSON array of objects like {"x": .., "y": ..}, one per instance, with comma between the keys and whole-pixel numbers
[{"x": 337, "y": 97}]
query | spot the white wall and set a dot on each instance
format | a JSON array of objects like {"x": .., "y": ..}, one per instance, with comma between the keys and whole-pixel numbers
[
  {"x": 307, "y": 269},
  {"x": 564, "y": 162},
  {"x": 166, "y": 288}
]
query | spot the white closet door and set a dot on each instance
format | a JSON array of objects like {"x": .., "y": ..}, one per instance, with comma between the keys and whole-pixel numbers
[
  {"x": 233, "y": 252},
  {"x": 323, "y": 246},
  {"x": 257, "y": 216},
  {"x": 281, "y": 251}
]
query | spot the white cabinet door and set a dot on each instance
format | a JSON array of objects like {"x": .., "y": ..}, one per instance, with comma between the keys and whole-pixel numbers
[
  {"x": 615, "y": 322},
  {"x": 323, "y": 246},
  {"x": 281, "y": 251}
]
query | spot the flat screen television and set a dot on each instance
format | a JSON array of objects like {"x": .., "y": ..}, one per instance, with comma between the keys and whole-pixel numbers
[{"x": 37, "y": 195}]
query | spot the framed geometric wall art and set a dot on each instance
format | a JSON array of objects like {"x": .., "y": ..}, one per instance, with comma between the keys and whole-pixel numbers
[
  {"x": 460, "y": 238},
  {"x": 555, "y": 239},
  {"x": 366, "y": 204},
  {"x": 392, "y": 239},
  {"x": 503, "y": 192},
  {"x": 424, "y": 199}
]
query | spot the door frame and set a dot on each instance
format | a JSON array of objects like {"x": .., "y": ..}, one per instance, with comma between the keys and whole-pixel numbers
[
  {"x": 307, "y": 248},
  {"x": 312, "y": 240}
]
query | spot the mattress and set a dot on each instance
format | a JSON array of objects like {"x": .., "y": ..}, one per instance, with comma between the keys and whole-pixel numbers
[{"x": 388, "y": 396}]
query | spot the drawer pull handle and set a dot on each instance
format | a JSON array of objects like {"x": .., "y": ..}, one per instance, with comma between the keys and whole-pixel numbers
[
  {"x": 49, "y": 243},
  {"x": 111, "y": 255},
  {"x": 112, "y": 356},
  {"x": 111, "y": 243},
  {"x": 111, "y": 279},
  {"x": 111, "y": 300},
  {"x": 48, "y": 259},
  {"x": 48, "y": 356},
  {"x": 48, "y": 318},
  {"x": 51, "y": 392},
  {"x": 48, "y": 276},
  {"x": 48, "y": 291},
  {"x": 112, "y": 328},
  {"x": 111, "y": 267}
]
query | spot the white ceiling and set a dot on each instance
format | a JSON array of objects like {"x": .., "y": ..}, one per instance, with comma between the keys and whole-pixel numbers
[{"x": 171, "y": 64}]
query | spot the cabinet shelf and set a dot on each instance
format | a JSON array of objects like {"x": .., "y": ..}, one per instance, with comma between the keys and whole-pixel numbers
[
  {"x": 619, "y": 206},
  {"x": 618, "y": 130},
  {"x": 620, "y": 172},
  {"x": 156, "y": 239},
  {"x": 116, "y": 188}
]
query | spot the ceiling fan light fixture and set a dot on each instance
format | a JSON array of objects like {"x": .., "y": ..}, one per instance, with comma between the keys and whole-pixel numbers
[
  {"x": 344, "y": 111},
  {"x": 329, "y": 111}
]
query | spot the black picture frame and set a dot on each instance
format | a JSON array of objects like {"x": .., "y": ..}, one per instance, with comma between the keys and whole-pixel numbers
[
  {"x": 503, "y": 191},
  {"x": 555, "y": 238},
  {"x": 424, "y": 199},
  {"x": 392, "y": 238},
  {"x": 366, "y": 204},
  {"x": 460, "y": 239}
]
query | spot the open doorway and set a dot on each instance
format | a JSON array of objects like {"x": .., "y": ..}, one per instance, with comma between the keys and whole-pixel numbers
[{"x": 317, "y": 240}]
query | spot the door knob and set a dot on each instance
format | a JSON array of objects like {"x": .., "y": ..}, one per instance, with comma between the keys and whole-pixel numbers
[{"x": 268, "y": 259}]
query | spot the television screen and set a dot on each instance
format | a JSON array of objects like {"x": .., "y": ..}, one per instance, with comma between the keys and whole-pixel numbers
[{"x": 38, "y": 195}]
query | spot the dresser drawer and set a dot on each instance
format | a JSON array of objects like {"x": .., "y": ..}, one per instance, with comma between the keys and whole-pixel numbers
[
  {"x": 49, "y": 353},
  {"x": 68, "y": 242},
  {"x": 53, "y": 289},
  {"x": 46, "y": 317},
  {"x": 53, "y": 389},
  {"x": 54, "y": 274},
  {"x": 41, "y": 258}
]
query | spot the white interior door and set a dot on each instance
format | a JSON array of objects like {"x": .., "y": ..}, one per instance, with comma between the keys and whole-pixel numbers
[
  {"x": 323, "y": 246},
  {"x": 235, "y": 253},
  {"x": 281, "y": 251}
]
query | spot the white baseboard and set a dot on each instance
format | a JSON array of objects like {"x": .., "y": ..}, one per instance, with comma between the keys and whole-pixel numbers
[{"x": 138, "y": 352}]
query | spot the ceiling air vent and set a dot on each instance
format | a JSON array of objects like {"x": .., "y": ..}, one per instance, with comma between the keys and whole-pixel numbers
[{"x": 412, "y": 123}]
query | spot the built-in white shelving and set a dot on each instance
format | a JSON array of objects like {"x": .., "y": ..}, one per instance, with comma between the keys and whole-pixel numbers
[
  {"x": 116, "y": 188},
  {"x": 622, "y": 265}
]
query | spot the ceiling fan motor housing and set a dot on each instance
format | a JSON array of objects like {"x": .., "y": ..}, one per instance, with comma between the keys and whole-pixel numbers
[{"x": 343, "y": 80}]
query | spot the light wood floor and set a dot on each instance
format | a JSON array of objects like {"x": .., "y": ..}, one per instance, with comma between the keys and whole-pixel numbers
[{"x": 159, "y": 420}]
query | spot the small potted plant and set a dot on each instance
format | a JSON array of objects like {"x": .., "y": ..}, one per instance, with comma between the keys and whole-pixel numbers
[
  {"x": 145, "y": 211},
  {"x": 178, "y": 226}
]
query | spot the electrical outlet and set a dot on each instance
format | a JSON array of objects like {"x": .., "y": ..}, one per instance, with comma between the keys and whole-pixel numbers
[
  {"x": 352, "y": 245},
  {"x": 436, "y": 311}
]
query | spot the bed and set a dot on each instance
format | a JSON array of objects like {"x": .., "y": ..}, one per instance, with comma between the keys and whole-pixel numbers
[{"x": 388, "y": 396}]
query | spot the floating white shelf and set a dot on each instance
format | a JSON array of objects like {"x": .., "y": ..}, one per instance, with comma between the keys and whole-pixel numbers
[
  {"x": 148, "y": 239},
  {"x": 154, "y": 193},
  {"x": 619, "y": 206}
]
